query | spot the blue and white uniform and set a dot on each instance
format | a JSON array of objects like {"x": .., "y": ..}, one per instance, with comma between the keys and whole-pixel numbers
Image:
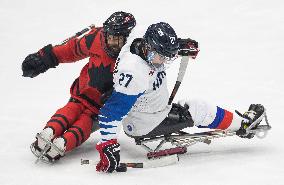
[
  {"x": 139, "y": 101},
  {"x": 140, "y": 97}
]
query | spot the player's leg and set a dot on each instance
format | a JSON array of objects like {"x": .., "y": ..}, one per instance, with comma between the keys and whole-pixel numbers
[
  {"x": 58, "y": 124},
  {"x": 77, "y": 134},
  {"x": 65, "y": 117},
  {"x": 177, "y": 119},
  {"x": 205, "y": 115}
]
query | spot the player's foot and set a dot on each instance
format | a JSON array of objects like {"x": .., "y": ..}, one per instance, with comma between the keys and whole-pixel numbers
[
  {"x": 251, "y": 119},
  {"x": 40, "y": 144},
  {"x": 57, "y": 149}
]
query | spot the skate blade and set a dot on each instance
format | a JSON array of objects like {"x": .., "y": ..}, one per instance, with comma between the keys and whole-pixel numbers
[
  {"x": 40, "y": 156},
  {"x": 162, "y": 161},
  {"x": 261, "y": 130},
  {"x": 36, "y": 154},
  {"x": 257, "y": 121}
]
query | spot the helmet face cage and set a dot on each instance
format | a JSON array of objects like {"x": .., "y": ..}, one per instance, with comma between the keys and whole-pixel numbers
[
  {"x": 118, "y": 24},
  {"x": 161, "y": 39},
  {"x": 166, "y": 60}
]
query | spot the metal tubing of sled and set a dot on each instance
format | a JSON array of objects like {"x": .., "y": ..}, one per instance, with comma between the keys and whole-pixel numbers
[
  {"x": 186, "y": 140},
  {"x": 42, "y": 154},
  {"x": 51, "y": 144},
  {"x": 256, "y": 121},
  {"x": 263, "y": 129},
  {"x": 191, "y": 139},
  {"x": 148, "y": 149}
]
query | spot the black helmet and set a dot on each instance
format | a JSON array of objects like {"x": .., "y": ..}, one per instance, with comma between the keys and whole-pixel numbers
[
  {"x": 163, "y": 39},
  {"x": 118, "y": 24}
]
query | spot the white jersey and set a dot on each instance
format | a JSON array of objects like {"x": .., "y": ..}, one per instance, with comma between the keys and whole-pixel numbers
[
  {"x": 140, "y": 97},
  {"x": 151, "y": 107},
  {"x": 139, "y": 101}
]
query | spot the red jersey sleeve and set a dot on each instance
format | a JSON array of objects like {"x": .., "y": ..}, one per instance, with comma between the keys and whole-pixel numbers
[{"x": 76, "y": 48}]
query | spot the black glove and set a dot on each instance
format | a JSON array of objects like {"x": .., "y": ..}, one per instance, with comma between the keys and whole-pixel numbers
[
  {"x": 188, "y": 47},
  {"x": 39, "y": 62},
  {"x": 180, "y": 110},
  {"x": 109, "y": 156}
]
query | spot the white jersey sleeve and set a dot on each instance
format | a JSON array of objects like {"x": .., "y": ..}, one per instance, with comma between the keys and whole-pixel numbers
[{"x": 130, "y": 82}]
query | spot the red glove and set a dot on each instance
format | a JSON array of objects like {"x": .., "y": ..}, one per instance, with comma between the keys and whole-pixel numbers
[
  {"x": 109, "y": 156},
  {"x": 188, "y": 47}
]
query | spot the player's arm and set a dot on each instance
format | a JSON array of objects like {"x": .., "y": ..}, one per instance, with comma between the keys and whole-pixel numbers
[
  {"x": 76, "y": 48},
  {"x": 127, "y": 89},
  {"x": 50, "y": 56}
]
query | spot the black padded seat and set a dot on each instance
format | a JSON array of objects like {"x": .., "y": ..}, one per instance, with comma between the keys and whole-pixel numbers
[{"x": 169, "y": 125}]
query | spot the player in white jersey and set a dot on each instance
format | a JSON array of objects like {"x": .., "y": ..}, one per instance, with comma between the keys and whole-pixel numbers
[{"x": 140, "y": 97}]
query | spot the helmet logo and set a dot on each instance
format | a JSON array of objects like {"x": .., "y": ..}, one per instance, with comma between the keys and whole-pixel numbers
[
  {"x": 161, "y": 33},
  {"x": 127, "y": 19},
  {"x": 173, "y": 39}
]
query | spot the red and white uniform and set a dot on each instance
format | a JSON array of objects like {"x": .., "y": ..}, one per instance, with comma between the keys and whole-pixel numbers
[{"x": 94, "y": 80}]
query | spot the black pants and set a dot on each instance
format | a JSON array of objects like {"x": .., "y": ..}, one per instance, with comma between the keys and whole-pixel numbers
[{"x": 177, "y": 119}]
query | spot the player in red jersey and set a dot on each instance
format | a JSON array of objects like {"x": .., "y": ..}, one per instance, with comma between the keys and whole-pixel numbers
[{"x": 72, "y": 124}]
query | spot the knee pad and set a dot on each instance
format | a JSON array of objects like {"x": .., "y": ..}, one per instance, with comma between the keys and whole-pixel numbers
[{"x": 201, "y": 112}]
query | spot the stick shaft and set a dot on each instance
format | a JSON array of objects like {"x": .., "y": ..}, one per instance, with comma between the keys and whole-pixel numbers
[
  {"x": 152, "y": 163},
  {"x": 181, "y": 73},
  {"x": 78, "y": 33}
]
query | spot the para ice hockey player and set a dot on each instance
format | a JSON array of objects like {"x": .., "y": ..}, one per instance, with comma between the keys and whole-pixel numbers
[
  {"x": 139, "y": 101},
  {"x": 72, "y": 124}
]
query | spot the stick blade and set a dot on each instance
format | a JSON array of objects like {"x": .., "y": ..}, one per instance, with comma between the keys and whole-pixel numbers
[{"x": 160, "y": 162}]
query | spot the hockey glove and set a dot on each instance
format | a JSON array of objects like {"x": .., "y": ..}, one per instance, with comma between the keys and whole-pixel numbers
[
  {"x": 181, "y": 111},
  {"x": 188, "y": 47},
  {"x": 39, "y": 62},
  {"x": 109, "y": 156}
]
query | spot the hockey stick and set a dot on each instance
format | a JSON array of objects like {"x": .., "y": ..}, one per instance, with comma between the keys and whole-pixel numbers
[
  {"x": 181, "y": 73},
  {"x": 152, "y": 163},
  {"x": 78, "y": 34}
]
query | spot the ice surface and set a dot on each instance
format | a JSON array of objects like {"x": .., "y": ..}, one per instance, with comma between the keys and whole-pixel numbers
[{"x": 240, "y": 62}]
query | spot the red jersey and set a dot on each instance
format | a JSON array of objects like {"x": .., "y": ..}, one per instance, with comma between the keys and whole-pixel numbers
[{"x": 96, "y": 77}]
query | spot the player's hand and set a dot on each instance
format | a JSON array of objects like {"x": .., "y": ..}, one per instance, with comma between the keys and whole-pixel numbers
[
  {"x": 182, "y": 111},
  {"x": 188, "y": 47},
  {"x": 109, "y": 156},
  {"x": 39, "y": 62},
  {"x": 32, "y": 65}
]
